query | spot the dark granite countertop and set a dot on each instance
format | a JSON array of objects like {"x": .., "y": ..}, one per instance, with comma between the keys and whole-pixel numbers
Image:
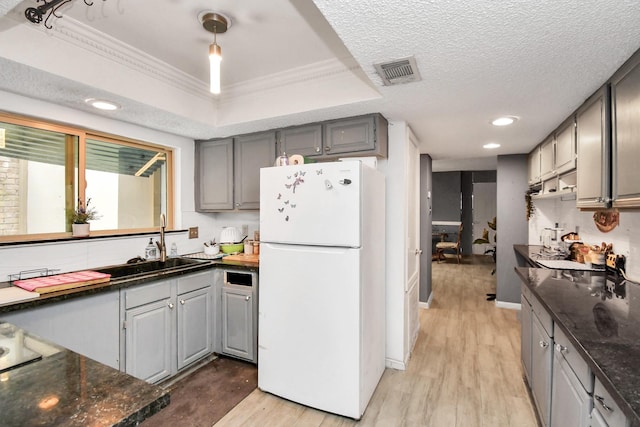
[
  {"x": 51, "y": 297},
  {"x": 67, "y": 389},
  {"x": 600, "y": 314}
]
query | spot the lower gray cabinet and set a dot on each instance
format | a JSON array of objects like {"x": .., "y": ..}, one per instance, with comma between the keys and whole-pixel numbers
[
  {"x": 541, "y": 369},
  {"x": 525, "y": 348},
  {"x": 238, "y": 322},
  {"x": 571, "y": 403},
  {"x": 167, "y": 325}
]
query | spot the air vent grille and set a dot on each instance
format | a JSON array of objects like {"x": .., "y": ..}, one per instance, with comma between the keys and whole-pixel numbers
[{"x": 399, "y": 71}]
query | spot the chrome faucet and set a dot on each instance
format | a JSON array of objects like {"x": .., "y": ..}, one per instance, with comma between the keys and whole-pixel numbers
[{"x": 161, "y": 245}]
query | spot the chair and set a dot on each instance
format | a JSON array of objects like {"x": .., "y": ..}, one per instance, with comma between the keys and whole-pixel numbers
[{"x": 442, "y": 246}]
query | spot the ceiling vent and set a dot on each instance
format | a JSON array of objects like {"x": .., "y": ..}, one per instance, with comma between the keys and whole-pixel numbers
[{"x": 399, "y": 71}]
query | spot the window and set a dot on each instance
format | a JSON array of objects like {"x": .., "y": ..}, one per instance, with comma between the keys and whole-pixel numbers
[{"x": 46, "y": 169}]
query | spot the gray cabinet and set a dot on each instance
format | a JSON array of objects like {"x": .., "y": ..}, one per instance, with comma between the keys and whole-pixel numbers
[
  {"x": 534, "y": 166},
  {"x": 593, "y": 140},
  {"x": 227, "y": 172},
  {"x": 565, "y": 151},
  {"x": 167, "y": 325},
  {"x": 606, "y": 407},
  {"x": 541, "y": 369},
  {"x": 625, "y": 98},
  {"x": 303, "y": 140},
  {"x": 250, "y": 153},
  {"x": 238, "y": 322},
  {"x": 350, "y": 135},
  {"x": 547, "y": 159},
  {"x": 525, "y": 348}
]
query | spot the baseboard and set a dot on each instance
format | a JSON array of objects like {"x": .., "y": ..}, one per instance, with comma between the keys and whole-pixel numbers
[
  {"x": 394, "y": 364},
  {"x": 509, "y": 305},
  {"x": 426, "y": 304}
]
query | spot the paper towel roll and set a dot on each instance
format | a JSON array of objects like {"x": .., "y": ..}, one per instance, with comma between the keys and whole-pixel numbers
[{"x": 296, "y": 159}]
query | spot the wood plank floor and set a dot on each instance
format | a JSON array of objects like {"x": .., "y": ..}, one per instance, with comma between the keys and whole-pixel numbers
[{"x": 465, "y": 369}]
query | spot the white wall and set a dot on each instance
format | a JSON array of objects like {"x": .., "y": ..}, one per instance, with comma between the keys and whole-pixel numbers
[
  {"x": 81, "y": 254},
  {"x": 625, "y": 237}
]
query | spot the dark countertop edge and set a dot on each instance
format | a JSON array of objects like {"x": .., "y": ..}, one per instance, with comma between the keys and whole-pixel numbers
[
  {"x": 116, "y": 284},
  {"x": 523, "y": 273},
  {"x": 146, "y": 411},
  {"x": 85, "y": 238}
]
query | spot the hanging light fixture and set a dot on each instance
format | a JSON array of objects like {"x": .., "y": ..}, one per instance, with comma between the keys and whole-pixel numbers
[{"x": 215, "y": 23}]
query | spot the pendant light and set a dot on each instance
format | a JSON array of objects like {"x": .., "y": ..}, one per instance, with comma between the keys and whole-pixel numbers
[{"x": 217, "y": 24}]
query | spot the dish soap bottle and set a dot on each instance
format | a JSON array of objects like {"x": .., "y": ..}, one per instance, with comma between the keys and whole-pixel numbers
[{"x": 150, "y": 250}]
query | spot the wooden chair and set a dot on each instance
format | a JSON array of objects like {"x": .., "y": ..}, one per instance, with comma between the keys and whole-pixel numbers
[{"x": 442, "y": 246}]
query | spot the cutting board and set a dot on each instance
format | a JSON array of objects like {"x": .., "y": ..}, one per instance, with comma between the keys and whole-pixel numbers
[
  {"x": 249, "y": 259},
  {"x": 14, "y": 294},
  {"x": 60, "y": 282}
]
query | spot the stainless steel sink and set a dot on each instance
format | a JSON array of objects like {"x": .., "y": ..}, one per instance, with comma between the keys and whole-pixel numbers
[{"x": 148, "y": 267}]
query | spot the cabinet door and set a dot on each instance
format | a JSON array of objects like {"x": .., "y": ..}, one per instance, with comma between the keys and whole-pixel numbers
[
  {"x": 593, "y": 147},
  {"x": 525, "y": 348},
  {"x": 547, "y": 159},
  {"x": 570, "y": 402},
  {"x": 251, "y": 152},
  {"x": 194, "y": 326},
  {"x": 534, "y": 166},
  {"x": 351, "y": 135},
  {"x": 625, "y": 94},
  {"x": 541, "y": 369},
  {"x": 303, "y": 140},
  {"x": 149, "y": 341},
  {"x": 214, "y": 175},
  {"x": 566, "y": 147},
  {"x": 237, "y": 323}
]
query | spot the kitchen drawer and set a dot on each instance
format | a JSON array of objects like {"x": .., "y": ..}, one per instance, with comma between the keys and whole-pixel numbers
[
  {"x": 524, "y": 290},
  {"x": 576, "y": 362},
  {"x": 194, "y": 282},
  {"x": 610, "y": 411},
  {"x": 543, "y": 316},
  {"x": 146, "y": 294}
]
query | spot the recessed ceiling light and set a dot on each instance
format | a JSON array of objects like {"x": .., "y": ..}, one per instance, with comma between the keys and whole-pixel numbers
[
  {"x": 101, "y": 104},
  {"x": 504, "y": 121},
  {"x": 491, "y": 146}
]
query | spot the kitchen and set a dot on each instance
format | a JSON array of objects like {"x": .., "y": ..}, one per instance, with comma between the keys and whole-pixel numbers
[{"x": 86, "y": 254}]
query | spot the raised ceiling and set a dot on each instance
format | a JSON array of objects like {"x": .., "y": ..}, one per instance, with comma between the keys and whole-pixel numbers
[{"x": 292, "y": 62}]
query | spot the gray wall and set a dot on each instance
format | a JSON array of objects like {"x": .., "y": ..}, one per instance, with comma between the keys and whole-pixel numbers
[
  {"x": 467, "y": 213},
  {"x": 512, "y": 227},
  {"x": 446, "y": 196},
  {"x": 426, "y": 189}
]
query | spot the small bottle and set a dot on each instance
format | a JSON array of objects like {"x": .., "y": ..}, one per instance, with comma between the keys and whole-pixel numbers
[
  {"x": 150, "y": 250},
  {"x": 174, "y": 250}
]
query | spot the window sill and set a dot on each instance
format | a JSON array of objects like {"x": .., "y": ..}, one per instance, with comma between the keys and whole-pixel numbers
[{"x": 95, "y": 235}]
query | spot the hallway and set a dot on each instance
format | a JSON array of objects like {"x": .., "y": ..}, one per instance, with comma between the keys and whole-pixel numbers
[{"x": 465, "y": 369}]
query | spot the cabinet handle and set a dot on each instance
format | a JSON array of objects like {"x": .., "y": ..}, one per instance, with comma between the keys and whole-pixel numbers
[
  {"x": 182, "y": 301},
  {"x": 544, "y": 344},
  {"x": 171, "y": 305},
  {"x": 561, "y": 348},
  {"x": 247, "y": 298},
  {"x": 418, "y": 251},
  {"x": 327, "y": 148},
  {"x": 237, "y": 205},
  {"x": 600, "y": 400},
  {"x": 318, "y": 149}
]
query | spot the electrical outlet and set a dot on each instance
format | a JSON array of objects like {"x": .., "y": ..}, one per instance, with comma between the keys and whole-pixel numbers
[
  {"x": 193, "y": 232},
  {"x": 245, "y": 230}
]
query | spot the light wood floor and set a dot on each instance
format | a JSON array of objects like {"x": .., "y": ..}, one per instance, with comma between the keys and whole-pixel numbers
[{"x": 465, "y": 369}]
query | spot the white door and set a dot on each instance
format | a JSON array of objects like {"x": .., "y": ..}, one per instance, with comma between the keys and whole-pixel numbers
[
  {"x": 484, "y": 210},
  {"x": 412, "y": 285},
  {"x": 311, "y": 204}
]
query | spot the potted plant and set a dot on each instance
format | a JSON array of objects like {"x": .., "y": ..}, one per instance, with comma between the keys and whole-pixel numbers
[{"x": 80, "y": 218}]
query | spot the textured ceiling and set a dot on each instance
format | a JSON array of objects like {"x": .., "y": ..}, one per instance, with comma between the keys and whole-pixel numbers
[{"x": 291, "y": 62}]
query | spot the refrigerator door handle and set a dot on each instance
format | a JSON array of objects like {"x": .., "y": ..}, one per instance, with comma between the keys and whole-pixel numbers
[{"x": 345, "y": 181}]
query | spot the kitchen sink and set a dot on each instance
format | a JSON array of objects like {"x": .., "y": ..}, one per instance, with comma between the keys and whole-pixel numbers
[{"x": 148, "y": 267}]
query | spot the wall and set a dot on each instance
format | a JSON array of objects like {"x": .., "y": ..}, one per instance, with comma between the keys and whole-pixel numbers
[
  {"x": 426, "y": 199},
  {"x": 82, "y": 254},
  {"x": 512, "y": 226},
  {"x": 625, "y": 237},
  {"x": 446, "y": 196}
]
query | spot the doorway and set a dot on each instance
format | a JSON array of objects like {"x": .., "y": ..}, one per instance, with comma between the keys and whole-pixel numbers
[{"x": 484, "y": 210}]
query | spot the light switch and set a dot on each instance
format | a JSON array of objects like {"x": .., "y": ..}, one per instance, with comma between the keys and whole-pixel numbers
[{"x": 193, "y": 232}]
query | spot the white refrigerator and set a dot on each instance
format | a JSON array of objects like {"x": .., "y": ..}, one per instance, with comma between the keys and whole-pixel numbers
[{"x": 321, "y": 321}]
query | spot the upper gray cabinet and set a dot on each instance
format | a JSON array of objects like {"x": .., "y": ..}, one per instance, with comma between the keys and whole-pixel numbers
[
  {"x": 565, "y": 152},
  {"x": 593, "y": 145},
  {"x": 625, "y": 98},
  {"x": 547, "y": 158},
  {"x": 354, "y": 136},
  {"x": 227, "y": 171},
  {"x": 303, "y": 140},
  {"x": 251, "y": 152},
  {"x": 534, "y": 166}
]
